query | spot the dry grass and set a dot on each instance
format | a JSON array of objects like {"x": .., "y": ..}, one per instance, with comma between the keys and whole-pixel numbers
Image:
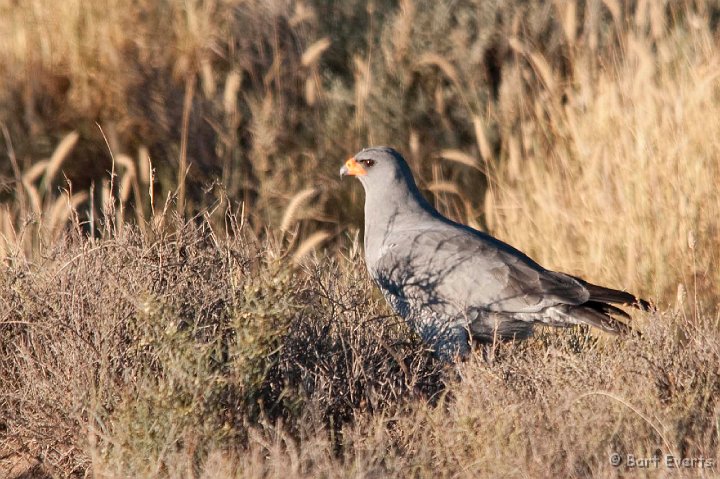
[
  {"x": 187, "y": 353},
  {"x": 632, "y": 172},
  {"x": 183, "y": 291}
]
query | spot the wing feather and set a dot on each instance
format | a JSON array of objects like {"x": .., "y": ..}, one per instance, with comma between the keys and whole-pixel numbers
[{"x": 468, "y": 268}]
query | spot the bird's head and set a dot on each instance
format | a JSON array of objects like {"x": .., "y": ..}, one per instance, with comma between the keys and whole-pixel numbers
[{"x": 378, "y": 167}]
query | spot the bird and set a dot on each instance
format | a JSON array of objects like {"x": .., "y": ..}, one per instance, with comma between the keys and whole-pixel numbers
[{"x": 455, "y": 285}]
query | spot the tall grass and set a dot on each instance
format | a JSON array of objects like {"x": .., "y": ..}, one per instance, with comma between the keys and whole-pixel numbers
[
  {"x": 545, "y": 99},
  {"x": 183, "y": 291},
  {"x": 616, "y": 179}
]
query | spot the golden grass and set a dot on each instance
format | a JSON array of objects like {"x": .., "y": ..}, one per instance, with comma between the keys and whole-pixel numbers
[
  {"x": 312, "y": 54},
  {"x": 58, "y": 157},
  {"x": 309, "y": 244},
  {"x": 630, "y": 154},
  {"x": 291, "y": 212}
]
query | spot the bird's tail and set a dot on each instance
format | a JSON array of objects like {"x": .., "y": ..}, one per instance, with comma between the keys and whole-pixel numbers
[
  {"x": 599, "y": 311},
  {"x": 601, "y": 294},
  {"x": 602, "y": 316}
]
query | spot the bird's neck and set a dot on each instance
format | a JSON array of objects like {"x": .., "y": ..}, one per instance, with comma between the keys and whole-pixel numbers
[{"x": 405, "y": 209}]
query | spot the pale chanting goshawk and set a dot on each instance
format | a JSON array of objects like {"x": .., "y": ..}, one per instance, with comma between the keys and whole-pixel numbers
[{"x": 452, "y": 283}]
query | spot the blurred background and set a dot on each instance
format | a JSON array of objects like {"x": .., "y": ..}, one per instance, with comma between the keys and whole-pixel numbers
[{"x": 586, "y": 133}]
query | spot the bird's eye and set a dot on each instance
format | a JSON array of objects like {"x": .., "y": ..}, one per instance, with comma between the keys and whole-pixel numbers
[{"x": 367, "y": 163}]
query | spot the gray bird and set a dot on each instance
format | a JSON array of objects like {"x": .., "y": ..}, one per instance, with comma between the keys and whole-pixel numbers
[{"x": 452, "y": 283}]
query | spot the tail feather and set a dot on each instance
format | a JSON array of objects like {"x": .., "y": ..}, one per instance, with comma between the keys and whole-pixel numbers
[
  {"x": 598, "y": 315},
  {"x": 601, "y": 294},
  {"x": 606, "y": 308}
]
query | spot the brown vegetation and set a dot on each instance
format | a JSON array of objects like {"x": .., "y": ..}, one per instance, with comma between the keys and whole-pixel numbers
[{"x": 182, "y": 290}]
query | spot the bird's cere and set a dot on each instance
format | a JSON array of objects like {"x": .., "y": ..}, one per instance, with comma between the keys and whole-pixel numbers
[{"x": 352, "y": 168}]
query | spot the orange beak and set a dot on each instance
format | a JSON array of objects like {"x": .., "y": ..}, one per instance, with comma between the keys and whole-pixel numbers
[{"x": 352, "y": 168}]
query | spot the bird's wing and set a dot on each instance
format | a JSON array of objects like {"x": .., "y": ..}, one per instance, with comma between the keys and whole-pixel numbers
[{"x": 453, "y": 264}]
